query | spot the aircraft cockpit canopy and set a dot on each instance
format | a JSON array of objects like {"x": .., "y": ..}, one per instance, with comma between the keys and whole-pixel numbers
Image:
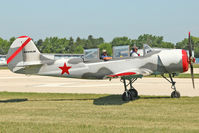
[
  {"x": 147, "y": 49},
  {"x": 118, "y": 52},
  {"x": 91, "y": 54},
  {"x": 121, "y": 51}
]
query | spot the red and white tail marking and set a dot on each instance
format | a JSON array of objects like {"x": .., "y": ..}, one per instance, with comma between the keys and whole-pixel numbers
[{"x": 19, "y": 49}]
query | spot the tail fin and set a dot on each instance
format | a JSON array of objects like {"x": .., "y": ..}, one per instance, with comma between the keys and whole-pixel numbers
[{"x": 22, "y": 52}]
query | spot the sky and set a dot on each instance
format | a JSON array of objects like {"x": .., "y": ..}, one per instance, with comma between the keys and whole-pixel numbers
[{"x": 172, "y": 19}]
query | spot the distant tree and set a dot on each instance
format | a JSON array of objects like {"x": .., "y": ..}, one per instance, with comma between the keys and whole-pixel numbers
[
  {"x": 167, "y": 45},
  {"x": 78, "y": 41},
  {"x": 153, "y": 41},
  {"x": 71, "y": 45},
  {"x": 4, "y": 46},
  {"x": 39, "y": 44},
  {"x": 184, "y": 45},
  {"x": 79, "y": 50},
  {"x": 81, "y": 42},
  {"x": 62, "y": 44},
  {"x": 121, "y": 41},
  {"x": 54, "y": 45},
  {"x": 196, "y": 50},
  {"x": 46, "y": 46},
  {"x": 91, "y": 42}
]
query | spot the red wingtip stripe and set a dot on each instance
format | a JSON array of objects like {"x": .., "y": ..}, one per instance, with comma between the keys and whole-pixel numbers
[
  {"x": 189, "y": 33},
  {"x": 18, "y": 50},
  {"x": 122, "y": 74}
]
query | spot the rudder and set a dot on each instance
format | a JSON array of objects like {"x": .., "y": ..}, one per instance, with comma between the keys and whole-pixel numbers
[{"x": 22, "y": 52}]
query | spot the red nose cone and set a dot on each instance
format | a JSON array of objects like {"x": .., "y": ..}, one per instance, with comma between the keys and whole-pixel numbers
[{"x": 185, "y": 63}]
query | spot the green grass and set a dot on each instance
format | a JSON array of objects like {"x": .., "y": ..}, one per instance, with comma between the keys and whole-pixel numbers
[
  {"x": 45, "y": 113},
  {"x": 196, "y": 65},
  {"x": 3, "y": 67}
]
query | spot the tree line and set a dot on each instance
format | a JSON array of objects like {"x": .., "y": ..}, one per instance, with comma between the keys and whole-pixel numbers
[{"x": 77, "y": 46}]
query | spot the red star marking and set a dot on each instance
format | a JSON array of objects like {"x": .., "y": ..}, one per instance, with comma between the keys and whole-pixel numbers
[{"x": 65, "y": 69}]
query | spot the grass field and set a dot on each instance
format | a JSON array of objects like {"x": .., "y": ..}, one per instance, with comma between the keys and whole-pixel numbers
[
  {"x": 196, "y": 65},
  {"x": 3, "y": 67},
  {"x": 45, "y": 113}
]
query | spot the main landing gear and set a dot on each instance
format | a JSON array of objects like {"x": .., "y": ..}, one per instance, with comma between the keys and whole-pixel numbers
[
  {"x": 131, "y": 93},
  {"x": 175, "y": 93}
]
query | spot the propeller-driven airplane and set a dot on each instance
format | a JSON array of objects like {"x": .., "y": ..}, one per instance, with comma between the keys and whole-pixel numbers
[{"x": 23, "y": 57}]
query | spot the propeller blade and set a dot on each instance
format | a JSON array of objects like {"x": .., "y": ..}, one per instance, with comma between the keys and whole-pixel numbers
[
  {"x": 192, "y": 75},
  {"x": 191, "y": 60},
  {"x": 189, "y": 45}
]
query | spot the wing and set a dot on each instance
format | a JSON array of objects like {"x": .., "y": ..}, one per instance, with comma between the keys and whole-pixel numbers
[{"x": 134, "y": 73}]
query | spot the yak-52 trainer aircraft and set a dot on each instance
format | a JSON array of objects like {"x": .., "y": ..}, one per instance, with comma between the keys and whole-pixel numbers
[{"x": 24, "y": 57}]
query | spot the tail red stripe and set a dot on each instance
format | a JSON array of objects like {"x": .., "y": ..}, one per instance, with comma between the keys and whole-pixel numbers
[
  {"x": 18, "y": 50},
  {"x": 23, "y": 37}
]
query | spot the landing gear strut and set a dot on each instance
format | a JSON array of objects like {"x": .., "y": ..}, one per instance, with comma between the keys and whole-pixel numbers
[
  {"x": 129, "y": 94},
  {"x": 175, "y": 93}
]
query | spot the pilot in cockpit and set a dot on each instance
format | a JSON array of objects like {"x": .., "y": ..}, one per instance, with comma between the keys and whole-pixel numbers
[
  {"x": 105, "y": 56},
  {"x": 133, "y": 52}
]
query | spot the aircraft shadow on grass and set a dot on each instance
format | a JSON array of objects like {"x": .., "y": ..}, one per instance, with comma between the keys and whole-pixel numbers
[
  {"x": 77, "y": 99},
  {"x": 109, "y": 100},
  {"x": 25, "y": 100},
  {"x": 13, "y": 100},
  {"x": 106, "y": 100},
  {"x": 116, "y": 100}
]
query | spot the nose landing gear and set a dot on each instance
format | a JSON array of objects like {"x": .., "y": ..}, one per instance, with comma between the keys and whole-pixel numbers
[{"x": 175, "y": 93}]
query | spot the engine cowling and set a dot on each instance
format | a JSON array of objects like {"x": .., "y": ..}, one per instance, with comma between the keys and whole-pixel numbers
[{"x": 174, "y": 61}]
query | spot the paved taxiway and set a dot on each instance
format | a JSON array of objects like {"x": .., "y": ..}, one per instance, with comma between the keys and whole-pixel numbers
[{"x": 12, "y": 82}]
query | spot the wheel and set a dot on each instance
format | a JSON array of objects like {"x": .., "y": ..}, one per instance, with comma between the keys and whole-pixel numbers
[
  {"x": 126, "y": 96},
  {"x": 175, "y": 94},
  {"x": 133, "y": 92}
]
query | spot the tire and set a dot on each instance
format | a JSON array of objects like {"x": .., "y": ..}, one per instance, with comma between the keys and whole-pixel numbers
[
  {"x": 175, "y": 94},
  {"x": 134, "y": 92},
  {"x": 126, "y": 96}
]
